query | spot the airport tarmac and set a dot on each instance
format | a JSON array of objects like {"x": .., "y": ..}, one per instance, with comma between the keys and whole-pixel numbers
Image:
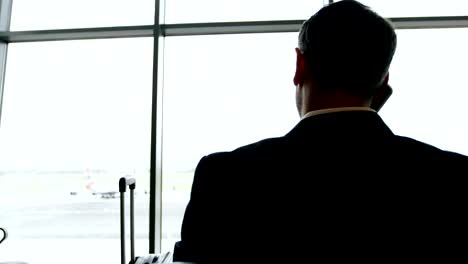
[{"x": 80, "y": 228}]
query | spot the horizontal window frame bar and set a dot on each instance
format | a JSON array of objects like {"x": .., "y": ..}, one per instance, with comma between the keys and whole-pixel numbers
[
  {"x": 430, "y": 22},
  {"x": 76, "y": 34},
  {"x": 215, "y": 28},
  {"x": 176, "y": 30}
]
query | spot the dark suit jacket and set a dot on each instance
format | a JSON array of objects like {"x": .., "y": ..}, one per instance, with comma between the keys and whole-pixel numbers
[{"x": 338, "y": 186}]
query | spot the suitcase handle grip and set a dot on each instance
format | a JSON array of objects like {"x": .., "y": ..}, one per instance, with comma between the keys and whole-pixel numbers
[{"x": 124, "y": 181}]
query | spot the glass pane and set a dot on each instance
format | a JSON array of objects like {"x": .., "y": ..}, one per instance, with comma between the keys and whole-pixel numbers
[
  {"x": 60, "y": 14},
  {"x": 76, "y": 117},
  {"x": 220, "y": 92},
  {"x": 414, "y": 8},
  {"x": 189, "y": 11},
  {"x": 428, "y": 78}
]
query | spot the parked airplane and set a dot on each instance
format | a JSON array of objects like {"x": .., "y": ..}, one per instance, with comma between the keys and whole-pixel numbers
[
  {"x": 93, "y": 188},
  {"x": 99, "y": 184}
]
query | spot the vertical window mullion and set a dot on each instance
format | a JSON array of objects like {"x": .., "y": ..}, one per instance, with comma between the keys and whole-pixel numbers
[
  {"x": 5, "y": 18},
  {"x": 155, "y": 214}
]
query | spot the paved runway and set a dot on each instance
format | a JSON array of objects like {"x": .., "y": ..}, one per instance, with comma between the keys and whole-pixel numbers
[{"x": 80, "y": 229}]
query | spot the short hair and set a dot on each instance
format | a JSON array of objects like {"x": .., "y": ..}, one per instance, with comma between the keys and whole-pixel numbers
[{"x": 349, "y": 47}]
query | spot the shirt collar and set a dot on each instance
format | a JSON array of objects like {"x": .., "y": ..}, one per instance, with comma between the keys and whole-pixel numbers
[{"x": 335, "y": 110}]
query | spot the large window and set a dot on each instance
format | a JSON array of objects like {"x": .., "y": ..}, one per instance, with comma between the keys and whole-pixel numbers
[
  {"x": 59, "y": 14},
  {"x": 220, "y": 92},
  {"x": 428, "y": 77},
  {"x": 189, "y": 11},
  {"x": 76, "y": 117},
  {"x": 418, "y": 8},
  {"x": 77, "y": 113}
]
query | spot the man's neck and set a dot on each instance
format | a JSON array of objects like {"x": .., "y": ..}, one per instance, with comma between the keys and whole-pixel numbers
[
  {"x": 335, "y": 110},
  {"x": 336, "y": 100}
]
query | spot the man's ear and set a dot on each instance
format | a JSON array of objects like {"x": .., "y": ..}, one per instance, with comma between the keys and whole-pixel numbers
[{"x": 300, "y": 68}]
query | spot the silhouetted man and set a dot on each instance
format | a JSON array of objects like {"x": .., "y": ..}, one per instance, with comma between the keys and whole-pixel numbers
[{"x": 339, "y": 185}]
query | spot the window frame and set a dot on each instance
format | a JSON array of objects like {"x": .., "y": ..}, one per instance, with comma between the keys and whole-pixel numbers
[
  {"x": 5, "y": 16},
  {"x": 159, "y": 31}
]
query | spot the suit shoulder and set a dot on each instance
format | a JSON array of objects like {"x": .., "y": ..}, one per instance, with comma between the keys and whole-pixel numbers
[
  {"x": 260, "y": 148},
  {"x": 412, "y": 146},
  {"x": 257, "y": 150}
]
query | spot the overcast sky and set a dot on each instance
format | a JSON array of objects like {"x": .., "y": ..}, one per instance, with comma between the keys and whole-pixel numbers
[{"x": 86, "y": 104}]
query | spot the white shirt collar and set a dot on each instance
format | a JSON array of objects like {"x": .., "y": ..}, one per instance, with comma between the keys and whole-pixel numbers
[{"x": 334, "y": 110}]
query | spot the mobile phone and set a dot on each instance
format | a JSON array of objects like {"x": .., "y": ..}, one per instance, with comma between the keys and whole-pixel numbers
[{"x": 381, "y": 97}]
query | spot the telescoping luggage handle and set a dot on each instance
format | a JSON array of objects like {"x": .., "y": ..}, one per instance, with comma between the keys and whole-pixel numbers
[{"x": 123, "y": 182}]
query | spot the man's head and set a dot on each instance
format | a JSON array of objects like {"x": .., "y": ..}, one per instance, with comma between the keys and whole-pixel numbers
[{"x": 344, "y": 54}]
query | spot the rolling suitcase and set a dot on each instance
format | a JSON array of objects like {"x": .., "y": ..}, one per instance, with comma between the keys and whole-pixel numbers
[{"x": 150, "y": 259}]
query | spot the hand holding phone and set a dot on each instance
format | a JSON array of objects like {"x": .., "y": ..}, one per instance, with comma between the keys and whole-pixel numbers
[{"x": 381, "y": 97}]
